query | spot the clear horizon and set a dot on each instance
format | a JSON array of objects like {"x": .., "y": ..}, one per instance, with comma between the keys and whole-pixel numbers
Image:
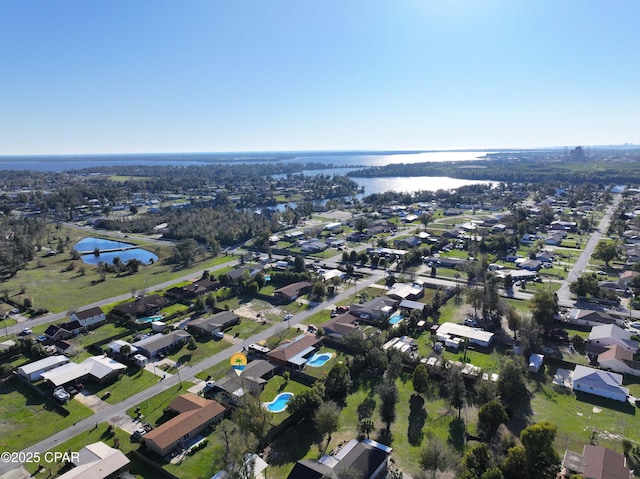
[{"x": 157, "y": 77}]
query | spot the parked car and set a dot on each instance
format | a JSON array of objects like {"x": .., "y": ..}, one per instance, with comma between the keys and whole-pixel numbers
[
  {"x": 61, "y": 394},
  {"x": 218, "y": 335}
]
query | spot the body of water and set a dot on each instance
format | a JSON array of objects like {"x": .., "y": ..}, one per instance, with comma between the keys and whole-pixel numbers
[
  {"x": 146, "y": 257},
  {"x": 88, "y": 245},
  {"x": 65, "y": 163}
]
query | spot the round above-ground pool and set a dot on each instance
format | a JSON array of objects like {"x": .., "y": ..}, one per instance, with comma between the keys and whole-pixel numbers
[
  {"x": 395, "y": 319},
  {"x": 142, "y": 255},
  {"x": 318, "y": 360},
  {"x": 279, "y": 404}
]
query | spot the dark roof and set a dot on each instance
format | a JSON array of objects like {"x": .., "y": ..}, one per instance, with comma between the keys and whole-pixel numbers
[
  {"x": 89, "y": 313},
  {"x": 254, "y": 372},
  {"x": 293, "y": 288},
  {"x": 363, "y": 457},
  {"x": 141, "y": 306},
  {"x": 341, "y": 324},
  {"x": 71, "y": 326},
  {"x": 210, "y": 323}
]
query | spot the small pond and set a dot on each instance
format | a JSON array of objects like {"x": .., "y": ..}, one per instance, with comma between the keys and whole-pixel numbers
[
  {"x": 140, "y": 254},
  {"x": 88, "y": 245}
]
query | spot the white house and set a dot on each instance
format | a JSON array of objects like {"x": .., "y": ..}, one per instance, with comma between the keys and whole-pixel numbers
[
  {"x": 600, "y": 383},
  {"x": 89, "y": 318},
  {"x": 33, "y": 371},
  {"x": 475, "y": 336},
  {"x": 609, "y": 334}
]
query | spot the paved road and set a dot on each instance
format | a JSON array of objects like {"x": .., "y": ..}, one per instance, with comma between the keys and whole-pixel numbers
[
  {"x": 185, "y": 374},
  {"x": 583, "y": 260}
]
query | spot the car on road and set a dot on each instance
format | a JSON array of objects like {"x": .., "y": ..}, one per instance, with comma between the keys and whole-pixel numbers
[
  {"x": 27, "y": 331},
  {"x": 288, "y": 317},
  {"x": 602, "y": 273}
]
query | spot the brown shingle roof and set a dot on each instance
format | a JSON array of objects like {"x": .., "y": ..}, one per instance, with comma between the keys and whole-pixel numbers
[
  {"x": 199, "y": 411},
  {"x": 286, "y": 351}
]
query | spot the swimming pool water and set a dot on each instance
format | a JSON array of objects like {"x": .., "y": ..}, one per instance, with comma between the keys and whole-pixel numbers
[
  {"x": 318, "y": 360},
  {"x": 395, "y": 319},
  {"x": 279, "y": 404}
]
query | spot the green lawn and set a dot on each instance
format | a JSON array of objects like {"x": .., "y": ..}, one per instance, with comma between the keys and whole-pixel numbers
[
  {"x": 52, "y": 287},
  {"x": 577, "y": 417},
  {"x": 132, "y": 382},
  {"x": 26, "y": 417},
  {"x": 119, "y": 439},
  {"x": 206, "y": 347},
  {"x": 153, "y": 409},
  {"x": 247, "y": 328}
]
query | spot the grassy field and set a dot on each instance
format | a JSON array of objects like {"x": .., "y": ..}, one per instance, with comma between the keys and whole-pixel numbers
[
  {"x": 132, "y": 382},
  {"x": 26, "y": 417},
  {"x": 119, "y": 439},
  {"x": 53, "y": 286},
  {"x": 205, "y": 347}
]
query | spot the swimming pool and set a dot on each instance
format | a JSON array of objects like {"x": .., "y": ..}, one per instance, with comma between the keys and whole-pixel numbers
[
  {"x": 279, "y": 404},
  {"x": 318, "y": 360},
  {"x": 395, "y": 319},
  {"x": 149, "y": 319}
]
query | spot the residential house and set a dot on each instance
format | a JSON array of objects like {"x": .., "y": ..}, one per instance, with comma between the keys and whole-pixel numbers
[
  {"x": 375, "y": 309},
  {"x": 63, "y": 347},
  {"x": 614, "y": 358},
  {"x": 529, "y": 264},
  {"x": 56, "y": 332},
  {"x": 97, "y": 461},
  {"x": 193, "y": 414},
  {"x": 295, "y": 353},
  {"x": 587, "y": 317},
  {"x": 289, "y": 293},
  {"x": 564, "y": 225},
  {"x": 210, "y": 325},
  {"x": 114, "y": 349},
  {"x": 408, "y": 242},
  {"x": 368, "y": 458},
  {"x": 474, "y": 335},
  {"x": 89, "y": 318},
  {"x": 230, "y": 389},
  {"x": 609, "y": 334},
  {"x": 313, "y": 246},
  {"x": 340, "y": 325},
  {"x": 402, "y": 291},
  {"x": 601, "y": 383},
  {"x": 554, "y": 237},
  {"x": 156, "y": 344},
  {"x": 141, "y": 307},
  {"x": 97, "y": 368},
  {"x": 250, "y": 271},
  {"x": 595, "y": 462},
  {"x": 33, "y": 371},
  {"x": 193, "y": 290}
]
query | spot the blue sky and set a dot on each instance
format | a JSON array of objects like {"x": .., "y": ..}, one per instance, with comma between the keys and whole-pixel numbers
[{"x": 254, "y": 75}]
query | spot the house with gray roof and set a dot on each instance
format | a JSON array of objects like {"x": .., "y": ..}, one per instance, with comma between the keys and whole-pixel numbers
[{"x": 162, "y": 343}]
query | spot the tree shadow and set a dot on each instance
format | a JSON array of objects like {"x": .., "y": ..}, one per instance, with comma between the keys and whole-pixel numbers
[
  {"x": 457, "y": 434},
  {"x": 385, "y": 437},
  {"x": 417, "y": 419},
  {"x": 293, "y": 444},
  {"x": 366, "y": 407}
]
